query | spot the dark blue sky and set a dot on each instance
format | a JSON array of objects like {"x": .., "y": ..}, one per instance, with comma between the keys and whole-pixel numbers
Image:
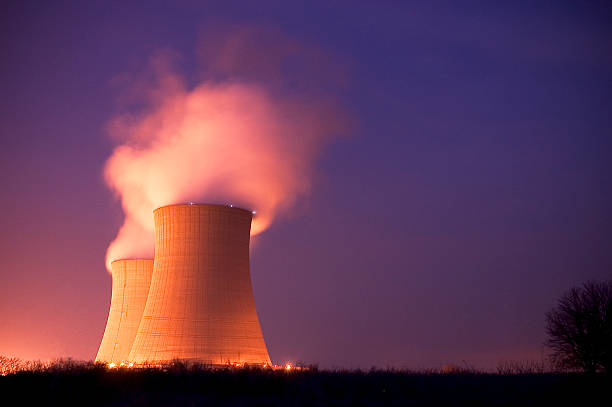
[{"x": 473, "y": 190}]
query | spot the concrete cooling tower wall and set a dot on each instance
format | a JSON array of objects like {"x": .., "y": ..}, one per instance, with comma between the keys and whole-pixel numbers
[
  {"x": 131, "y": 281},
  {"x": 200, "y": 306}
]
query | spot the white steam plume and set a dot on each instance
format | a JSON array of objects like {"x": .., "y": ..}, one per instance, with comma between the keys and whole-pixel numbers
[{"x": 230, "y": 141}]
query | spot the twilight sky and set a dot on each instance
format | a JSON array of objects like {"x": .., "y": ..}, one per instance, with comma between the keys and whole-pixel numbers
[{"x": 472, "y": 189}]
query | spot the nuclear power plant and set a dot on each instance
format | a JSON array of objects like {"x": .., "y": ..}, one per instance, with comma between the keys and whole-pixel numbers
[{"x": 198, "y": 302}]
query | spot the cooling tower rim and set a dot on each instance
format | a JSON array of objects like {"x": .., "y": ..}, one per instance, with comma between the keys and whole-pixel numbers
[
  {"x": 130, "y": 259},
  {"x": 232, "y": 207}
]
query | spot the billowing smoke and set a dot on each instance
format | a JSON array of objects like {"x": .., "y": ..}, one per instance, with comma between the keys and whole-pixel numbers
[{"x": 233, "y": 141}]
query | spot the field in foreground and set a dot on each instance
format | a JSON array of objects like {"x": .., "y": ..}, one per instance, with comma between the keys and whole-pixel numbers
[{"x": 178, "y": 385}]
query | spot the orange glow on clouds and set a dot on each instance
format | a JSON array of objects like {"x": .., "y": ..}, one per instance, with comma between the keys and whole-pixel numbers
[{"x": 222, "y": 143}]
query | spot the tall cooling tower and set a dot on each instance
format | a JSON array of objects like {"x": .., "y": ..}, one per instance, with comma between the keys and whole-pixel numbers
[
  {"x": 131, "y": 281},
  {"x": 200, "y": 305}
]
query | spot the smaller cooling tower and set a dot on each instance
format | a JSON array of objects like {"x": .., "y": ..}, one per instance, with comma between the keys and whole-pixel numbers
[{"x": 131, "y": 281}]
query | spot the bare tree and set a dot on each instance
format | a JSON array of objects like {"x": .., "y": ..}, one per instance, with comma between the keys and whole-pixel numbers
[{"x": 580, "y": 328}]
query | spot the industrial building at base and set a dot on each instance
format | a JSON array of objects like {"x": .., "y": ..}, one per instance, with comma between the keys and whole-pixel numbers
[{"x": 194, "y": 300}]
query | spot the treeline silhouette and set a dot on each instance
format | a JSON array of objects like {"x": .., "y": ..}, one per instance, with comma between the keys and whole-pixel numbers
[{"x": 67, "y": 382}]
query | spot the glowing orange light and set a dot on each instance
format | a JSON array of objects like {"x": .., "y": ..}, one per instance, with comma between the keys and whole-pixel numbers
[
  {"x": 288, "y": 367},
  {"x": 130, "y": 364},
  {"x": 122, "y": 364},
  {"x": 264, "y": 365},
  {"x": 112, "y": 364}
]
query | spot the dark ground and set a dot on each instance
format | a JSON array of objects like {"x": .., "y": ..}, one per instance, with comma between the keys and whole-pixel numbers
[{"x": 181, "y": 386}]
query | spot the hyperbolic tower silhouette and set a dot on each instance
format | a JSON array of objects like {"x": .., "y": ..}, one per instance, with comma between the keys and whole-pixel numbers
[
  {"x": 200, "y": 305},
  {"x": 131, "y": 281}
]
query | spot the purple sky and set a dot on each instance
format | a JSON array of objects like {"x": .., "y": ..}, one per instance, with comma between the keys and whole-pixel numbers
[{"x": 474, "y": 189}]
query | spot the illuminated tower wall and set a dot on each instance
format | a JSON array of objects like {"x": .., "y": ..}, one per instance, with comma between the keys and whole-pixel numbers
[
  {"x": 200, "y": 306},
  {"x": 131, "y": 281}
]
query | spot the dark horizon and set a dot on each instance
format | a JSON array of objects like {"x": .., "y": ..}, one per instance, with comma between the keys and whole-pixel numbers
[{"x": 471, "y": 188}]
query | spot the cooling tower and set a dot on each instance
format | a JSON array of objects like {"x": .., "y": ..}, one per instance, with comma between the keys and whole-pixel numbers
[
  {"x": 200, "y": 305},
  {"x": 131, "y": 281}
]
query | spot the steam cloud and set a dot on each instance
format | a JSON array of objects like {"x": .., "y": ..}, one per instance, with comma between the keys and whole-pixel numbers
[{"x": 240, "y": 141}]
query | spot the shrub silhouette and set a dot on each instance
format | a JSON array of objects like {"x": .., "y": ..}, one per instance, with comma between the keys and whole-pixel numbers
[
  {"x": 9, "y": 365},
  {"x": 580, "y": 328},
  {"x": 67, "y": 382}
]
